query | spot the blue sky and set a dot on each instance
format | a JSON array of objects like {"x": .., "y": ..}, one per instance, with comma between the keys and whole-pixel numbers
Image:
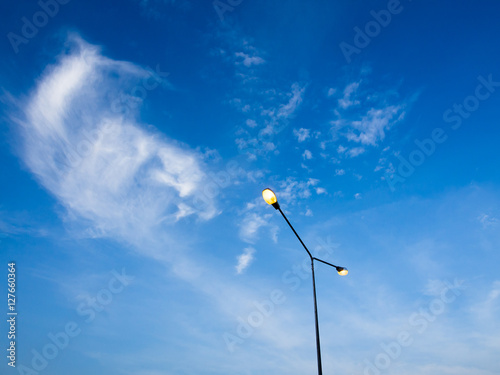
[{"x": 137, "y": 137}]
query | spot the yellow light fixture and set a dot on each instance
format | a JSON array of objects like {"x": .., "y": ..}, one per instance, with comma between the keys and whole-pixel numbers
[
  {"x": 270, "y": 198},
  {"x": 342, "y": 271}
]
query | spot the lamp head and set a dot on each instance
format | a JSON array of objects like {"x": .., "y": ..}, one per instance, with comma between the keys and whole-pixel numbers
[
  {"x": 342, "y": 271},
  {"x": 270, "y": 198}
]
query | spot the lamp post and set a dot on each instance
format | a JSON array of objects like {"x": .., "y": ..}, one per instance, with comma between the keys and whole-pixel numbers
[{"x": 271, "y": 199}]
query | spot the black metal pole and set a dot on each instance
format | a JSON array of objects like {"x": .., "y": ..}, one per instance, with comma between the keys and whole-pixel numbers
[
  {"x": 305, "y": 247},
  {"x": 318, "y": 346}
]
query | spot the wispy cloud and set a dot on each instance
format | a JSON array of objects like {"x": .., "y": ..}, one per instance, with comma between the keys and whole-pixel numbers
[
  {"x": 295, "y": 98},
  {"x": 250, "y": 226},
  {"x": 367, "y": 126},
  {"x": 355, "y": 151},
  {"x": 320, "y": 190},
  {"x": 347, "y": 100},
  {"x": 270, "y": 117},
  {"x": 267, "y": 107},
  {"x": 17, "y": 224},
  {"x": 245, "y": 259},
  {"x": 301, "y": 134},
  {"x": 291, "y": 190},
  {"x": 372, "y": 126},
  {"x": 488, "y": 221},
  {"x": 247, "y": 60},
  {"x": 331, "y": 91},
  {"x": 307, "y": 155},
  {"x": 103, "y": 166}
]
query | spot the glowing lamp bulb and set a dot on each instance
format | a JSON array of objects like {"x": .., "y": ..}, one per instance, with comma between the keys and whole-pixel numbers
[{"x": 269, "y": 196}]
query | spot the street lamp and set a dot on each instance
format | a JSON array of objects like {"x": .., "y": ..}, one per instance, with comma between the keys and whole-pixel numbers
[{"x": 271, "y": 199}]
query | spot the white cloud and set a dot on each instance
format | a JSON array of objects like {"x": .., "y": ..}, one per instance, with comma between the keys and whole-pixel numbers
[
  {"x": 249, "y": 227},
  {"x": 270, "y": 105},
  {"x": 488, "y": 221},
  {"x": 346, "y": 101},
  {"x": 376, "y": 113},
  {"x": 248, "y": 60},
  {"x": 390, "y": 170},
  {"x": 331, "y": 91},
  {"x": 355, "y": 151},
  {"x": 381, "y": 164},
  {"x": 273, "y": 232},
  {"x": 290, "y": 190},
  {"x": 320, "y": 190},
  {"x": 251, "y": 123},
  {"x": 313, "y": 181},
  {"x": 487, "y": 305},
  {"x": 301, "y": 134},
  {"x": 244, "y": 260},
  {"x": 307, "y": 155},
  {"x": 357, "y": 196},
  {"x": 371, "y": 128},
  {"x": 296, "y": 96},
  {"x": 339, "y": 172},
  {"x": 101, "y": 164},
  {"x": 494, "y": 293},
  {"x": 272, "y": 119}
]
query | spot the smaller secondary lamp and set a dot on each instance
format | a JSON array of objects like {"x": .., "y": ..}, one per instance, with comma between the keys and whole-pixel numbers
[{"x": 342, "y": 271}]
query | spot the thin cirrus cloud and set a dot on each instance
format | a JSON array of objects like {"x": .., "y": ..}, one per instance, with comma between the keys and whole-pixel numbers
[
  {"x": 244, "y": 260},
  {"x": 366, "y": 127},
  {"x": 102, "y": 165}
]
